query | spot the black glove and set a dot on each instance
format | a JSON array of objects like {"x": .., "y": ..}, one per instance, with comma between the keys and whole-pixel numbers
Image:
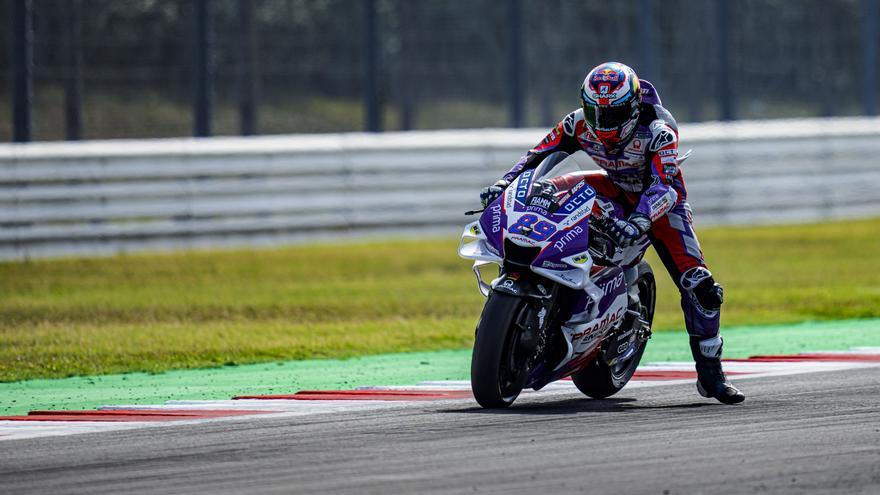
[
  {"x": 491, "y": 193},
  {"x": 625, "y": 233}
]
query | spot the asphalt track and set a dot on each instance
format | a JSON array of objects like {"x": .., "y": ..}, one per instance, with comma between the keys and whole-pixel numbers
[{"x": 808, "y": 433}]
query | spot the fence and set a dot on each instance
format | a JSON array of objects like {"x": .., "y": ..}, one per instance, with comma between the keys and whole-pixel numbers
[{"x": 104, "y": 197}]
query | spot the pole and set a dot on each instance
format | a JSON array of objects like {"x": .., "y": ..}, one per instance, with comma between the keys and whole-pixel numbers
[
  {"x": 725, "y": 88},
  {"x": 22, "y": 69},
  {"x": 408, "y": 57},
  {"x": 73, "y": 70},
  {"x": 647, "y": 42},
  {"x": 515, "y": 64},
  {"x": 372, "y": 111},
  {"x": 248, "y": 69},
  {"x": 870, "y": 21},
  {"x": 201, "y": 72}
]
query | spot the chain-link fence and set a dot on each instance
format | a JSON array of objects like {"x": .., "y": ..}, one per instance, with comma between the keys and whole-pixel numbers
[{"x": 132, "y": 68}]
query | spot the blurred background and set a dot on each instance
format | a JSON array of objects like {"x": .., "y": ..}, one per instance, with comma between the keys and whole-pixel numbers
[
  {"x": 320, "y": 121},
  {"x": 100, "y": 69}
]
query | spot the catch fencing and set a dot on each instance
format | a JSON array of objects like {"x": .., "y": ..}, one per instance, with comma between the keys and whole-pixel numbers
[{"x": 100, "y": 197}]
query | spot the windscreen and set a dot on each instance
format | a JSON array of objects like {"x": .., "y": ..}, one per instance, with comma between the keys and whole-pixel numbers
[{"x": 553, "y": 178}]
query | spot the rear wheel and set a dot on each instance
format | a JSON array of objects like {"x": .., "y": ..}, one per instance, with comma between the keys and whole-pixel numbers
[
  {"x": 598, "y": 380},
  {"x": 498, "y": 365}
]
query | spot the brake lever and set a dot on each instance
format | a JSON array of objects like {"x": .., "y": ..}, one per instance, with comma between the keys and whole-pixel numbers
[{"x": 474, "y": 212}]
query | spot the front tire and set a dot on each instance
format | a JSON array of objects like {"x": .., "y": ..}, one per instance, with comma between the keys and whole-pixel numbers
[
  {"x": 598, "y": 380},
  {"x": 497, "y": 368}
]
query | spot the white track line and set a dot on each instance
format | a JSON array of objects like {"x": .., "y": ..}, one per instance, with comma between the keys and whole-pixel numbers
[{"x": 11, "y": 430}]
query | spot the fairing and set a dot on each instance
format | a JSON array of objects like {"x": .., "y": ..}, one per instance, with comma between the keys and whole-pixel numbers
[{"x": 558, "y": 226}]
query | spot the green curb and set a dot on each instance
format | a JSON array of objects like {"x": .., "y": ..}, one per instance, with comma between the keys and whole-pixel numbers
[{"x": 390, "y": 369}]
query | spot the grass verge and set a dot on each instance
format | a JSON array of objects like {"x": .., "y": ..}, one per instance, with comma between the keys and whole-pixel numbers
[{"x": 187, "y": 310}]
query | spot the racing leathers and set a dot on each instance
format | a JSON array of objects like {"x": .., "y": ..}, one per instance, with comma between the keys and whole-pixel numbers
[{"x": 642, "y": 174}]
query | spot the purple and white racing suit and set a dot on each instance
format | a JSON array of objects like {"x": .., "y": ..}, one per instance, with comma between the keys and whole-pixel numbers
[{"x": 643, "y": 176}]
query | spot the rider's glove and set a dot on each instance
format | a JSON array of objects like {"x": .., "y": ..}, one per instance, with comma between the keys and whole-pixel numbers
[
  {"x": 626, "y": 232},
  {"x": 491, "y": 193}
]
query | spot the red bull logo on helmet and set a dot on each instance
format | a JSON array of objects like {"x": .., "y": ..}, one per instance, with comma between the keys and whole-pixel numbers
[
  {"x": 608, "y": 74},
  {"x": 610, "y": 83}
]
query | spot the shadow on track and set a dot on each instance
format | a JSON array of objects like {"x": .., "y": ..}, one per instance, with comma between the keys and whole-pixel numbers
[{"x": 578, "y": 406}]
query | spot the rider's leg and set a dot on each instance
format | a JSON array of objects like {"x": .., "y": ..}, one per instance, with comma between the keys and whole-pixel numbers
[
  {"x": 597, "y": 179},
  {"x": 676, "y": 243}
]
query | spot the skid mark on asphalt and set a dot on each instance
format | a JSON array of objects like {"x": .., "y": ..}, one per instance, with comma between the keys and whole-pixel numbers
[{"x": 311, "y": 402}]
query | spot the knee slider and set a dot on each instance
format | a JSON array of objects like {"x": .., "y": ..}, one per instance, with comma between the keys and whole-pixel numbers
[{"x": 698, "y": 281}]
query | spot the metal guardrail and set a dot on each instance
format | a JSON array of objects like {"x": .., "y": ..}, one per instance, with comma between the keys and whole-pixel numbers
[{"x": 109, "y": 196}]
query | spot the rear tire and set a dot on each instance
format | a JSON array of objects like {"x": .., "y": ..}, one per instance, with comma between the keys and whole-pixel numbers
[
  {"x": 497, "y": 371},
  {"x": 598, "y": 380}
]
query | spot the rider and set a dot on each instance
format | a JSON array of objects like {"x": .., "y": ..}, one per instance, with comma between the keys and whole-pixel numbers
[{"x": 622, "y": 126}]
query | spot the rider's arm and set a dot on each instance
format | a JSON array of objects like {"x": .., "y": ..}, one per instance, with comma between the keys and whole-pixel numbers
[
  {"x": 561, "y": 138},
  {"x": 661, "y": 196}
]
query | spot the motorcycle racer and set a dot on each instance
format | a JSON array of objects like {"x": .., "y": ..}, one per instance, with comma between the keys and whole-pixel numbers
[{"x": 624, "y": 128}]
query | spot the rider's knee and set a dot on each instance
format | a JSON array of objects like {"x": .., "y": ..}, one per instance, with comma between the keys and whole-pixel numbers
[{"x": 702, "y": 289}]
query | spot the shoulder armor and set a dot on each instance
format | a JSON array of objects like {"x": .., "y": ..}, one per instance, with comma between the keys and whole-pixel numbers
[
  {"x": 662, "y": 134},
  {"x": 662, "y": 113},
  {"x": 569, "y": 123}
]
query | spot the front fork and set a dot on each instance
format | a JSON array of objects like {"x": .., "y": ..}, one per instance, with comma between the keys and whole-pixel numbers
[{"x": 536, "y": 319}]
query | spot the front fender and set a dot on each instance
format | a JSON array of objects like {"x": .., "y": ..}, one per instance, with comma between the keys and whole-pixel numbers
[{"x": 520, "y": 287}]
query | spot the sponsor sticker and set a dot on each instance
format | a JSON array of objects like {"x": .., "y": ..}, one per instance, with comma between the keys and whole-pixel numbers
[
  {"x": 574, "y": 190},
  {"x": 522, "y": 187},
  {"x": 496, "y": 218},
  {"x": 510, "y": 285},
  {"x": 612, "y": 164},
  {"x": 612, "y": 285},
  {"x": 663, "y": 138},
  {"x": 523, "y": 239},
  {"x": 568, "y": 124},
  {"x": 568, "y": 237},
  {"x": 579, "y": 199},
  {"x": 541, "y": 202},
  {"x": 604, "y": 323},
  {"x": 659, "y": 207},
  {"x": 553, "y": 265}
]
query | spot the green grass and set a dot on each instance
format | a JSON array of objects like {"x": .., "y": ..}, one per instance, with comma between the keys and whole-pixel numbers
[{"x": 157, "y": 312}]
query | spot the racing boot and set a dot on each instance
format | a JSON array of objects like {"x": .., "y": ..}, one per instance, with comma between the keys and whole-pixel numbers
[{"x": 711, "y": 381}]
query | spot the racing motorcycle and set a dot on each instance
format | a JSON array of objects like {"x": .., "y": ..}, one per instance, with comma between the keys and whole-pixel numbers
[{"x": 568, "y": 301}]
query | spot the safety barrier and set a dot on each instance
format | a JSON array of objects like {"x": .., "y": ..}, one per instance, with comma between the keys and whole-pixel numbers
[{"x": 110, "y": 196}]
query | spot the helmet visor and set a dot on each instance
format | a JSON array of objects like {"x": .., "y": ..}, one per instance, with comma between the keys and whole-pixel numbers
[
  {"x": 613, "y": 116},
  {"x": 607, "y": 117},
  {"x": 590, "y": 115}
]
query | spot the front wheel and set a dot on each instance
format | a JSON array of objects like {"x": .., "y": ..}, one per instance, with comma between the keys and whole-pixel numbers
[
  {"x": 498, "y": 367},
  {"x": 598, "y": 380}
]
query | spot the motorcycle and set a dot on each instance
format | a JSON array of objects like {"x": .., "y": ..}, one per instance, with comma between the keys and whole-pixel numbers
[{"x": 568, "y": 301}]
